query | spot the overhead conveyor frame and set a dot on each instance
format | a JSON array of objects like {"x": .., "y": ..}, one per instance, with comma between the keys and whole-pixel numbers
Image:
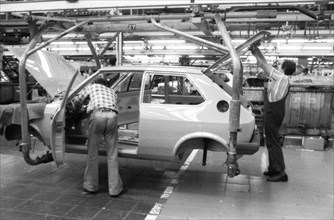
[{"x": 54, "y": 5}]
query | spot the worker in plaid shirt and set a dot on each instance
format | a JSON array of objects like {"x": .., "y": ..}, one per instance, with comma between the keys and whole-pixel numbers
[
  {"x": 274, "y": 110},
  {"x": 103, "y": 120}
]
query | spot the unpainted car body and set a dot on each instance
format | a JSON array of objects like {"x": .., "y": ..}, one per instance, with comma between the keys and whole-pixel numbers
[
  {"x": 164, "y": 111},
  {"x": 153, "y": 127}
]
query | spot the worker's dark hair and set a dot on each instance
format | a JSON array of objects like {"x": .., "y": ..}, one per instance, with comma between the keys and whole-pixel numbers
[
  {"x": 305, "y": 70},
  {"x": 100, "y": 81},
  {"x": 112, "y": 60},
  {"x": 289, "y": 67}
]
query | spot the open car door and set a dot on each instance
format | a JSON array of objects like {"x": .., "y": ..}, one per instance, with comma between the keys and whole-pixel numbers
[{"x": 58, "y": 128}]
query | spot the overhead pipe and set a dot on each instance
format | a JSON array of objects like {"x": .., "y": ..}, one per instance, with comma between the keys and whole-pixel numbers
[
  {"x": 213, "y": 46},
  {"x": 297, "y": 8},
  {"x": 234, "y": 118},
  {"x": 58, "y": 36},
  {"x": 239, "y": 49}
]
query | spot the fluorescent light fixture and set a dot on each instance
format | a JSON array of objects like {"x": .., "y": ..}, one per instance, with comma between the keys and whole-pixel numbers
[
  {"x": 62, "y": 43},
  {"x": 76, "y": 42},
  {"x": 238, "y": 41},
  {"x": 132, "y": 48},
  {"x": 266, "y": 47},
  {"x": 197, "y": 56},
  {"x": 158, "y": 47},
  {"x": 316, "y": 48},
  {"x": 329, "y": 40},
  {"x": 179, "y": 47},
  {"x": 68, "y": 49},
  {"x": 133, "y": 42},
  {"x": 290, "y": 47},
  {"x": 71, "y": 35},
  {"x": 166, "y": 41}
]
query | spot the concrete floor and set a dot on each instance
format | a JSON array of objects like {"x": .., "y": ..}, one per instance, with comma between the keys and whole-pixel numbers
[{"x": 164, "y": 190}]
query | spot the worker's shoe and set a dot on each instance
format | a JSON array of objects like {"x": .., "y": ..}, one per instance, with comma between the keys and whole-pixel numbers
[
  {"x": 86, "y": 191},
  {"x": 117, "y": 195},
  {"x": 270, "y": 173},
  {"x": 281, "y": 177}
]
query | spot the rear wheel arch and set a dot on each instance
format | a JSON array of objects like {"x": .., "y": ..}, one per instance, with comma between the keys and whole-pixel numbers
[{"x": 199, "y": 140}]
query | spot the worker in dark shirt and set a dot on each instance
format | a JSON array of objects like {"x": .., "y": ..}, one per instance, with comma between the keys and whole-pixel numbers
[
  {"x": 274, "y": 110},
  {"x": 103, "y": 119}
]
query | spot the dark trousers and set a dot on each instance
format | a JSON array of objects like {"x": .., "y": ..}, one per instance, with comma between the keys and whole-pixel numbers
[{"x": 273, "y": 118}]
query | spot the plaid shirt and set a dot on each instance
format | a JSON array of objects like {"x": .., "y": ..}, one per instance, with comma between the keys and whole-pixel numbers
[{"x": 99, "y": 96}]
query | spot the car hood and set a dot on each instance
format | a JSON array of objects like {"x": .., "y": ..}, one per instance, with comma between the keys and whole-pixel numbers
[{"x": 50, "y": 70}]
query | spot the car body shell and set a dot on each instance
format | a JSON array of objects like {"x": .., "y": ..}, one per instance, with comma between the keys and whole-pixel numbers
[{"x": 161, "y": 131}]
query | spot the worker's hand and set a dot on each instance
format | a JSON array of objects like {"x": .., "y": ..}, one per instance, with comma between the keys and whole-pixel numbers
[
  {"x": 253, "y": 48},
  {"x": 261, "y": 75}
]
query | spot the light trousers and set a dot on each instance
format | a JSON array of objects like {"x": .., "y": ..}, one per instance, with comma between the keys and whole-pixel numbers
[{"x": 102, "y": 124}]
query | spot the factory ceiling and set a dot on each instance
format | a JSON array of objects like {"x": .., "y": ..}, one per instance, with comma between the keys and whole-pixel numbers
[{"x": 103, "y": 20}]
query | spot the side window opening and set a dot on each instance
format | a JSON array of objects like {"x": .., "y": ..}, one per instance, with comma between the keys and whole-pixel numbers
[
  {"x": 171, "y": 89},
  {"x": 131, "y": 83}
]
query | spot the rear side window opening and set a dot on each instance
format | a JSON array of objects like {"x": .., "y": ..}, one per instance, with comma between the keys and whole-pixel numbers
[{"x": 171, "y": 89}]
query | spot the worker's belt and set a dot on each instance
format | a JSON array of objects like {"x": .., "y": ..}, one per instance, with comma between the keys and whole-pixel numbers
[{"x": 106, "y": 110}]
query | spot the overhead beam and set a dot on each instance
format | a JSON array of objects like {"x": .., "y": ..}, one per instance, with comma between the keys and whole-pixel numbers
[
  {"x": 191, "y": 38},
  {"x": 56, "y": 5},
  {"x": 210, "y": 53},
  {"x": 231, "y": 17}
]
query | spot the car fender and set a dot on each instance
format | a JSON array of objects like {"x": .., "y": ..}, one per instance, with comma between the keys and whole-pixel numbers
[
  {"x": 197, "y": 140},
  {"x": 35, "y": 130}
]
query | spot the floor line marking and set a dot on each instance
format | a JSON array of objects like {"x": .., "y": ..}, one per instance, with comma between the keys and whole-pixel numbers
[{"x": 156, "y": 209}]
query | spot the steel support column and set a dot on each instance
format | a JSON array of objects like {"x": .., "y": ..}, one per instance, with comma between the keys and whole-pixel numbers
[
  {"x": 119, "y": 49},
  {"x": 234, "y": 119}
]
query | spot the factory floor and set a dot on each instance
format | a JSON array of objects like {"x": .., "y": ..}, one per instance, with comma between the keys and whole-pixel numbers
[{"x": 166, "y": 190}]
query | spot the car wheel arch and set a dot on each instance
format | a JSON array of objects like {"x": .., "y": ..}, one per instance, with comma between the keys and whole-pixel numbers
[
  {"x": 198, "y": 140},
  {"x": 13, "y": 132}
]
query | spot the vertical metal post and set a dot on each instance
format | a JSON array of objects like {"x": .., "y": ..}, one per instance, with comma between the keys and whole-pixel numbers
[
  {"x": 108, "y": 45},
  {"x": 234, "y": 119},
  {"x": 1, "y": 57},
  {"x": 119, "y": 49},
  {"x": 23, "y": 96}
]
